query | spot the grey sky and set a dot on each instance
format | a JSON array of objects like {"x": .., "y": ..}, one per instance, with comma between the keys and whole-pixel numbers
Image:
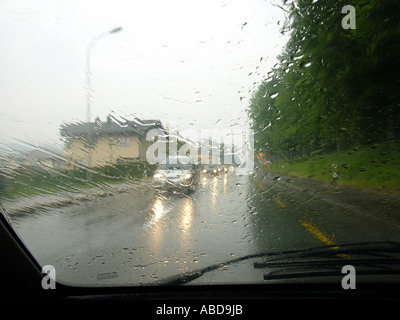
[{"x": 192, "y": 62}]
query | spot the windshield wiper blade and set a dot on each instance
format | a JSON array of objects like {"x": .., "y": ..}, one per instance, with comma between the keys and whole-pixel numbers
[
  {"x": 337, "y": 251},
  {"x": 189, "y": 276},
  {"x": 326, "y": 262},
  {"x": 378, "y": 248},
  {"x": 332, "y": 258},
  {"x": 279, "y": 275}
]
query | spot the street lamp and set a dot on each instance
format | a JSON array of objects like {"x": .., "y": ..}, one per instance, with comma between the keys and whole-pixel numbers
[
  {"x": 88, "y": 72},
  {"x": 88, "y": 88}
]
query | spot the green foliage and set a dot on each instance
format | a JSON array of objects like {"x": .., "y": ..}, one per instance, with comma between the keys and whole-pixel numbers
[
  {"x": 129, "y": 170},
  {"x": 336, "y": 88},
  {"x": 375, "y": 167}
]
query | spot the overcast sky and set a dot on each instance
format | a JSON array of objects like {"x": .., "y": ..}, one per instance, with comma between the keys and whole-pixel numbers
[{"x": 192, "y": 62}]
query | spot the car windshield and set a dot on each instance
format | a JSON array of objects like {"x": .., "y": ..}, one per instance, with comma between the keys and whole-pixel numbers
[{"x": 287, "y": 111}]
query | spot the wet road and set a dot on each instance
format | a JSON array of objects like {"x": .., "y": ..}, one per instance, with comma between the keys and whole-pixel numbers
[{"x": 139, "y": 236}]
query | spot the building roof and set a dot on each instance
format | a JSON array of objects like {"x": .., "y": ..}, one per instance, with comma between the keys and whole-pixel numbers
[{"x": 110, "y": 127}]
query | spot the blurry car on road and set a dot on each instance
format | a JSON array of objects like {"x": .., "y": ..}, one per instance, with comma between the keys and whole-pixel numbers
[
  {"x": 212, "y": 169},
  {"x": 177, "y": 175}
]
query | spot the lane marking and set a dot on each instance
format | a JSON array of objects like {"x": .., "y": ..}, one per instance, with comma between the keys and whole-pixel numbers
[
  {"x": 318, "y": 234},
  {"x": 279, "y": 202},
  {"x": 260, "y": 186},
  {"x": 311, "y": 228},
  {"x": 325, "y": 239},
  {"x": 264, "y": 189}
]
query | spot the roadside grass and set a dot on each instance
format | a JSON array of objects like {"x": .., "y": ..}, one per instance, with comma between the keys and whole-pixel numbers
[
  {"x": 375, "y": 167},
  {"x": 27, "y": 183}
]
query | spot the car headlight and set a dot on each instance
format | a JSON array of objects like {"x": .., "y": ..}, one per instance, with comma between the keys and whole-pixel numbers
[
  {"x": 187, "y": 176},
  {"x": 158, "y": 176}
]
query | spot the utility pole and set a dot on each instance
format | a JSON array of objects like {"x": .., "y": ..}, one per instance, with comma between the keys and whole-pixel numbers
[
  {"x": 90, "y": 46},
  {"x": 88, "y": 71}
]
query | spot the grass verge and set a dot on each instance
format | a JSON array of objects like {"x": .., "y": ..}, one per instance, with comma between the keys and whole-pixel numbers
[
  {"x": 374, "y": 167},
  {"x": 27, "y": 182}
]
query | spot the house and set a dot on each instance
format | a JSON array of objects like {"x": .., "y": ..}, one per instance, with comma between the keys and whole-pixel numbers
[{"x": 100, "y": 143}]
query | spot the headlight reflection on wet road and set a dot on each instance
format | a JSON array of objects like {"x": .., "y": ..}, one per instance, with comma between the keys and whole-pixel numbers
[
  {"x": 187, "y": 215},
  {"x": 158, "y": 209}
]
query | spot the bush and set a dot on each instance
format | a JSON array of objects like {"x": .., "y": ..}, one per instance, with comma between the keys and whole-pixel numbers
[
  {"x": 30, "y": 182},
  {"x": 133, "y": 170}
]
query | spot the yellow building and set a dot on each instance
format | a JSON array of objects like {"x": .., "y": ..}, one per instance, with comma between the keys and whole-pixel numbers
[{"x": 99, "y": 143}]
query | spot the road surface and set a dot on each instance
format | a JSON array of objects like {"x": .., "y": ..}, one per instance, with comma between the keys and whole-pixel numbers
[{"x": 140, "y": 237}]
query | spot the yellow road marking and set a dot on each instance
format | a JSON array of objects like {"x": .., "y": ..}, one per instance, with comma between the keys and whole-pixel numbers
[
  {"x": 325, "y": 239},
  {"x": 260, "y": 186},
  {"x": 318, "y": 234},
  {"x": 321, "y": 236},
  {"x": 279, "y": 202}
]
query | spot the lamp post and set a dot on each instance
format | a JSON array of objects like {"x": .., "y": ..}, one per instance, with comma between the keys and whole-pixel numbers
[
  {"x": 90, "y": 136},
  {"x": 88, "y": 72}
]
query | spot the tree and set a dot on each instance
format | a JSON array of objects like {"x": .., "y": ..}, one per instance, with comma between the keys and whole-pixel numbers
[{"x": 334, "y": 87}]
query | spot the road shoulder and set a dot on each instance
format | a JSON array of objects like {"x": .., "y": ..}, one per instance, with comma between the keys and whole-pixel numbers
[{"x": 378, "y": 205}]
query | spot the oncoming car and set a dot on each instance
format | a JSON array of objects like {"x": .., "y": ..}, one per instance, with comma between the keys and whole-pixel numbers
[
  {"x": 212, "y": 169},
  {"x": 176, "y": 175}
]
